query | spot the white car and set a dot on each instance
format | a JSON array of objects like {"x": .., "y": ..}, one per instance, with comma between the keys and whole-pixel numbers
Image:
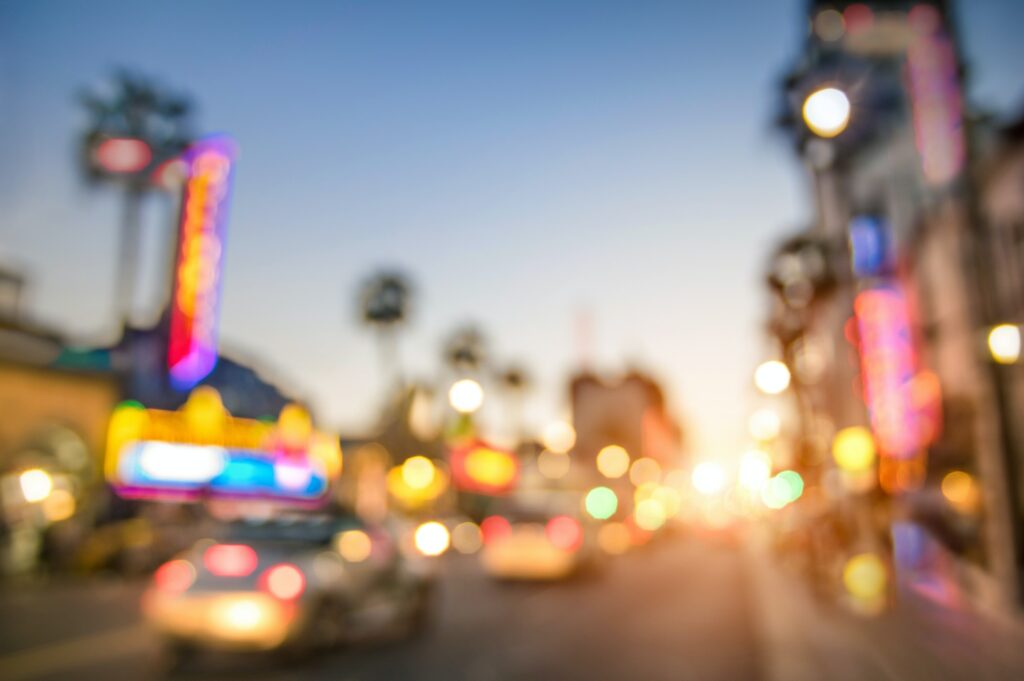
[{"x": 297, "y": 583}]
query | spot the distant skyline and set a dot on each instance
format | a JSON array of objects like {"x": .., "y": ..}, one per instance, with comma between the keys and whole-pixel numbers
[{"x": 525, "y": 162}]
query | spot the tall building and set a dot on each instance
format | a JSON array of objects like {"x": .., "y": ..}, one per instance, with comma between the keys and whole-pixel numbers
[{"x": 883, "y": 303}]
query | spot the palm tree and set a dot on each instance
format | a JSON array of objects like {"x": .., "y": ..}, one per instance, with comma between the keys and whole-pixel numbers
[
  {"x": 384, "y": 301},
  {"x": 138, "y": 109},
  {"x": 465, "y": 350}
]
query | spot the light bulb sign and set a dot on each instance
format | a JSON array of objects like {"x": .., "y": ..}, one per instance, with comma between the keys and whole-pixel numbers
[
  {"x": 201, "y": 451},
  {"x": 195, "y": 299}
]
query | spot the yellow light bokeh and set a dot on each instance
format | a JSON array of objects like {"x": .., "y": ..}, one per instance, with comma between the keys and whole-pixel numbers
[
  {"x": 36, "y": 484},
  {"x": 354, "y": 546},
  {"x": 961, "y": 491},
  {"x": 467, "y": 538},
  {"x": 865, "y": 577},
  {"x": 644, "y": 470},
  {"x": 553, "y": 465},
  {"x": 826, "y": 112},
  {"x": 466, "y": 396},
  {"x": 559, "y": 437},
  {"x": 613, "y": 538},
  {"x": 432, "y": 538},
  {"x": 491, "y": 467},
  {"x": 1004, "y": 343},
  {"x": 418, "y": 472},
  {"x": 613, "y": 461},
  {"x": 772, "y": 377},
  {"x": 59, "y": 505},
  {"x": 649, "y": 515},
  {"x": 853, "y": 449},
  {"x": 708, "y": 477}
]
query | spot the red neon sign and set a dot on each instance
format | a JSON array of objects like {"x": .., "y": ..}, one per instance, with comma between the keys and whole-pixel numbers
[{"x": 195, "y": 303}]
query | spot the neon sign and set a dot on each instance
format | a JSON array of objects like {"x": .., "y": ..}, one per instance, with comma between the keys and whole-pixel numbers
[
  {"x": 195, "y": 302},
  {"x": 202, "y": 451},
  {"x": 888, "y": 364},
  {"x": 935, "y": 96}
]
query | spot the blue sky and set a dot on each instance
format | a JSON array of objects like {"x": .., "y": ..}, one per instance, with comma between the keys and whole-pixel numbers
[{"x": 526, "y": 162}]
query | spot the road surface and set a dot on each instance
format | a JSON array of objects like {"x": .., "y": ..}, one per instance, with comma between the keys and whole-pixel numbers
[{"x": 678, "y": 610}]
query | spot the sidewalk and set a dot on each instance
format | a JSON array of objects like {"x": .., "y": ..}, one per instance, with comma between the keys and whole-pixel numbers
[{"x": 805, "y": 640}]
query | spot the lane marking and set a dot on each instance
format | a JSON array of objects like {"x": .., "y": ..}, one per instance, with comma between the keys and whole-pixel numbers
[{"x": 74, "y": 653}]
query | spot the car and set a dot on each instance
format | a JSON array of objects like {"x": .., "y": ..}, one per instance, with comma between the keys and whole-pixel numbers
[
  {"x": 521, "y": 544},
  {"x": 294, "y": 583}
]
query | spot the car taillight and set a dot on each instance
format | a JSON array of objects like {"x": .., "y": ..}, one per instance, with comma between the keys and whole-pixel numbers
[
  {"x": 230, "y": 560},
  {"x": 494, "y": 527},
  {"x": 565, "y": 533},
  {"x": 175, "y": 576},
  {"x": 284, "y": 582}
]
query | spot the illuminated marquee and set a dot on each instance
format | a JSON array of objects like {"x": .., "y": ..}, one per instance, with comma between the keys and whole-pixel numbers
[
  {"x": 195, "y": 301},
  {"x": 202, "y": 451}
]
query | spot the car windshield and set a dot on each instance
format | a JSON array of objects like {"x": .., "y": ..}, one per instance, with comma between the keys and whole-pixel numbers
[{"x": 304, "y": 529}]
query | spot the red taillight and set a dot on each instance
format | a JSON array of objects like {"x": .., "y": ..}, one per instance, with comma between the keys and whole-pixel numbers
[
  {"x": 284, "y": 581},
  {"x": 565, "y": 533},
  {"x": 230, "y": 560},
  {"x": 494, "y": 527},
  {"x": 175, "y": 576}
]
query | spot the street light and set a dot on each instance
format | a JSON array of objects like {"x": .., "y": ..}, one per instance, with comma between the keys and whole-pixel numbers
[
  {"x": 772, "y": 377},
  {"x": 826, "y": 111},
  {"x": 466, "y": 396},
  {"x": 1004, "y": 343},
  {"x": 36, "y": 484},
  {"x": 613, "y": 461},
  {"x": 853, "y": 449},
  {"x": 559, "y": 437}
]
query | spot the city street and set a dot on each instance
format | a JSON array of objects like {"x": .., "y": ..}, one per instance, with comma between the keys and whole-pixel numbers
[
  {"x": 678, "y": 610},
  {"x": 578, "y": 340}
]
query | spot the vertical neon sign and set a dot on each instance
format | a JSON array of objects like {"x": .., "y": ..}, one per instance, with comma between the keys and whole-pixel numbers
[
  {"x": 195, "y": 301},
  {"x": 888, "y": 363},
  {"x": 935, "y": 96}
]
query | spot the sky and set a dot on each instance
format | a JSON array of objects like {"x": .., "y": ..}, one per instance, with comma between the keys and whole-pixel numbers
[{"x": 530, "y": 165}]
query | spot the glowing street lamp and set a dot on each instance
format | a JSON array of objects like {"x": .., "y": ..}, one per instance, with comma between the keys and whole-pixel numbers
[
  {"x": 613, "y": 461},
  {"x": 772, "y": 377},
  {"x": 1004, "y": 343},
  {"x": 36, "y": 485},
  {"x": 827, "y": 112},
  {"x": 466, "y": 396},
  {"x": 559, "y": 437},
  {"x": 418, "y": 472}
]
